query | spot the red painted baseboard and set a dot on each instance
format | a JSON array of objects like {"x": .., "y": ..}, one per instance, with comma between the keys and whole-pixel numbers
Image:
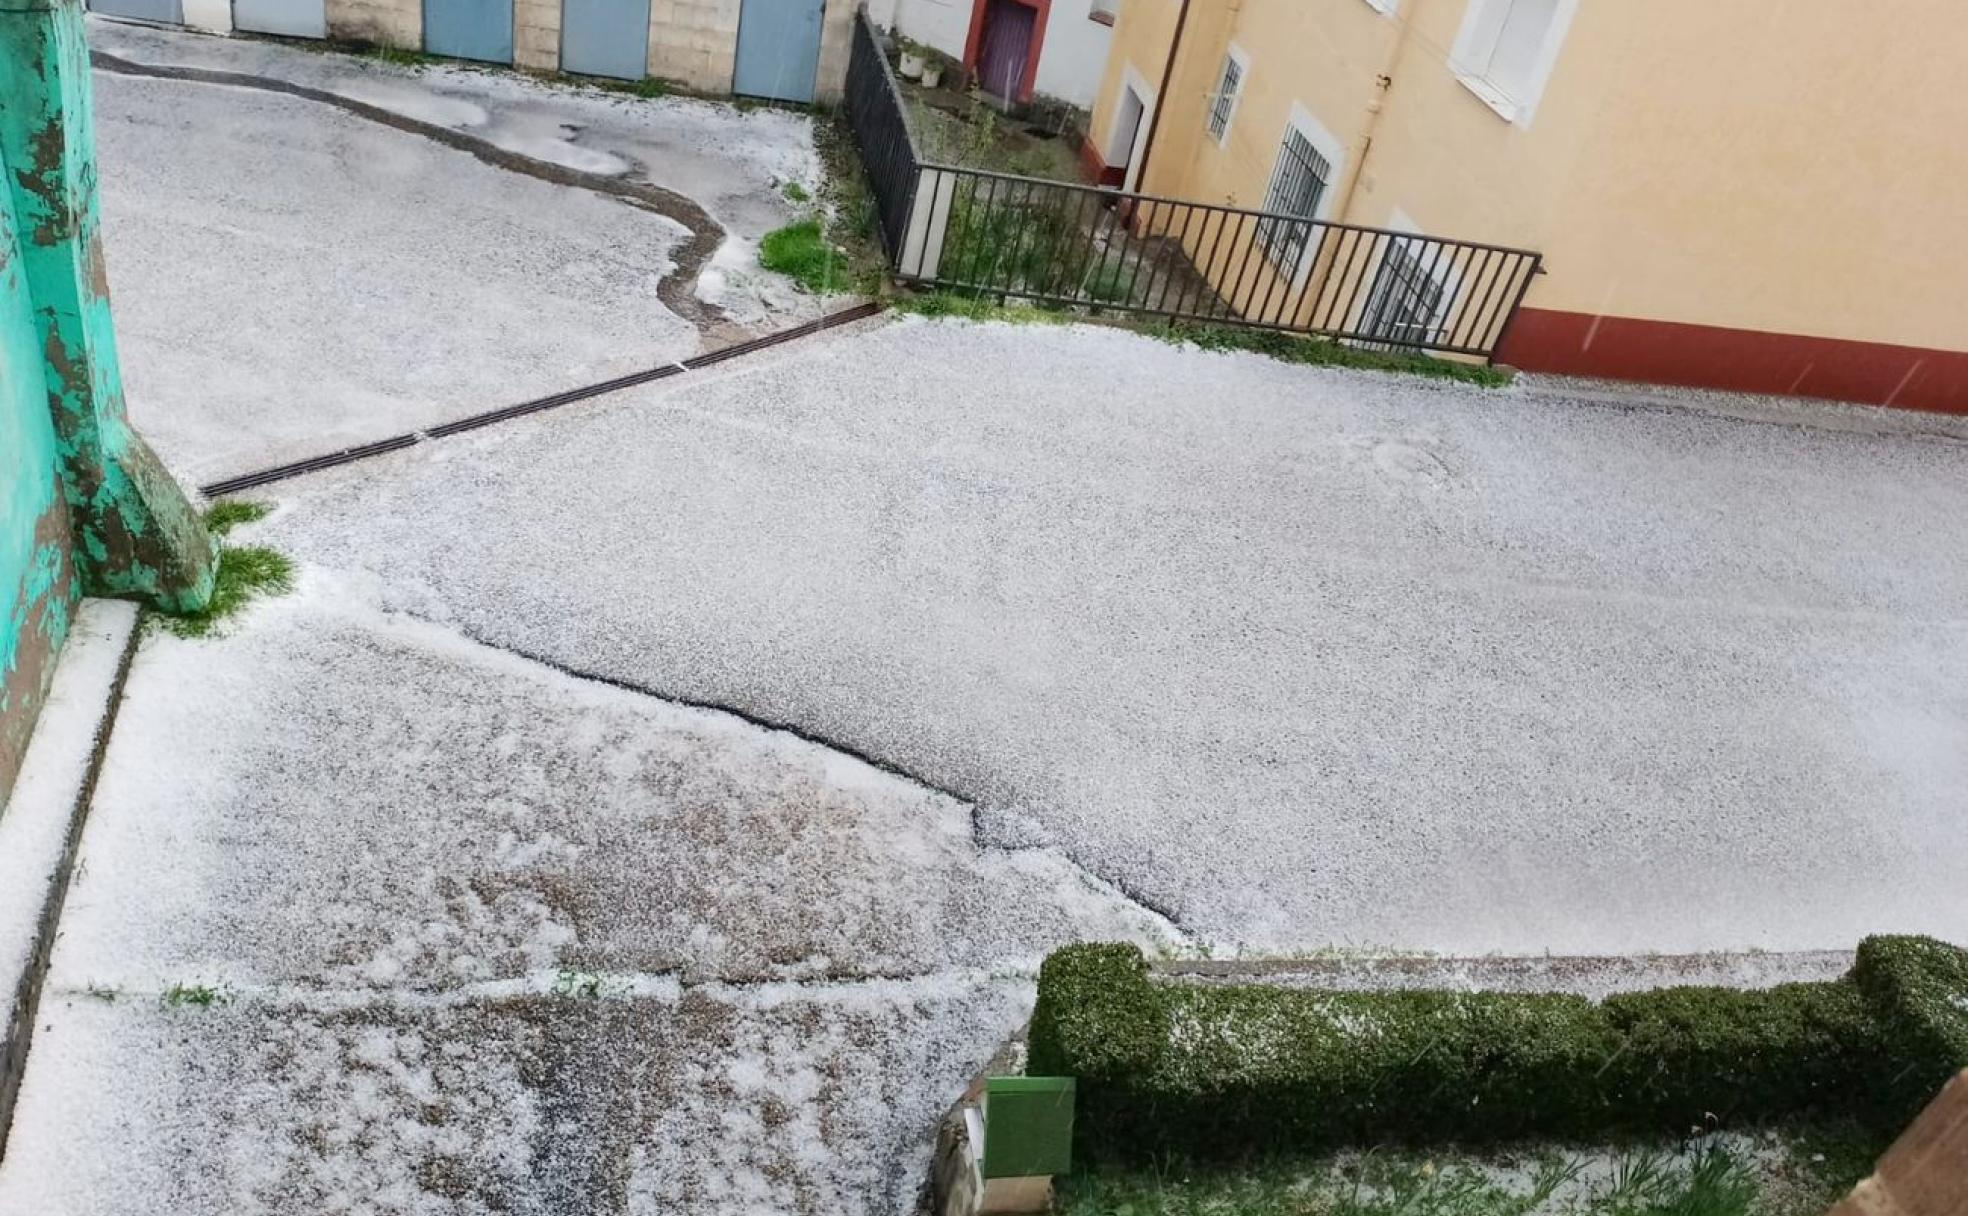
[
  {"x": 1096, "y": 168},
  {"x": 1746, "y": 360}
]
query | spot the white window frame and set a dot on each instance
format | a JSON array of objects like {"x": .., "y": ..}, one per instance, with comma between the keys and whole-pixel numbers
[
  {"x": 1476, "y": 42},
  {"x": 1327, "y": 145},
  {"x": 1234, "y": 54}
]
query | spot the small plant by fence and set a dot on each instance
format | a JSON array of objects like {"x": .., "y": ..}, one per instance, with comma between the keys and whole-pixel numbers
[{"x": 1000, "y": 234}]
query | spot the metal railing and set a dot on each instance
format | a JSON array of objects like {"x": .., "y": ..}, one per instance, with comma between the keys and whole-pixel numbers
[{"x": 975, "y": 230}]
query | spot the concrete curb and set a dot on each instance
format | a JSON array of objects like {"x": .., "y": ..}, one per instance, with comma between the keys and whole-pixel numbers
[{"x": 41, "y": 826}]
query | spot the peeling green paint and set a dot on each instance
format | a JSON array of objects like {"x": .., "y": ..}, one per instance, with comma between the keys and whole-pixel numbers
[{"x": 85, "y": 506}]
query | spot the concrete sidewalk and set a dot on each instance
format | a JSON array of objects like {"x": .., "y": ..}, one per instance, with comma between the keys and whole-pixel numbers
[{"x": 372, "y": 918}]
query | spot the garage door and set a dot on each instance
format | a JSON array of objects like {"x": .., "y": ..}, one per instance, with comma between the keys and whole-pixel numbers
[
  {"x": 170, "y": 11},
  {"x": 605, "y": 38},
  {"x": 778, "y": 48},
  {"x": 469, "y": 29},
  {"x": 294, "y": 18}
]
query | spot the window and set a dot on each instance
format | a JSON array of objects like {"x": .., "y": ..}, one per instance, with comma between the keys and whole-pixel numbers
[
  {"x": 1404, "y": 306},
  {"x": 1104, "y": 11},
  {"x": 1507, "y": 48},
  {"x": 1223, "y": 102},
  {"x": 1298, "y": 183}
]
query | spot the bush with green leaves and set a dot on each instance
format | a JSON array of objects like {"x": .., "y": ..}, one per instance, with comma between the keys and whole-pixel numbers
[{"x": 1167, "y": 1064}]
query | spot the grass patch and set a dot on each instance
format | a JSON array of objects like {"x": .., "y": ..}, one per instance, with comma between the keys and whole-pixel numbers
[
  {"x": 1646, "y": 1181},
  {"x": 803, "y": 252},
  {"x": 795, "y": 193},
  {"x": 245, "y": 572},
  {"x": 223, "y": 516},
  {"x": 198, "y": 996},
  {"x": 1318, "y": 352},
  {"x": 401, "y": 57},
  {"x": 1286, "y": 348}
]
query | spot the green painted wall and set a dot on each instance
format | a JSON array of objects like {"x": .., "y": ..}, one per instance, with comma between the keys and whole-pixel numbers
[
  {"x": 38, "y": 589},
  {"x": 85, "y": 505}
]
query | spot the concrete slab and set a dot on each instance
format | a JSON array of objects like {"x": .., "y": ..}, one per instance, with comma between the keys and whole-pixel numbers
[
  {"x": 378, "y": 919},
  {"x": 39, "y": 822},
  {"x": 1301, "y": 657}
]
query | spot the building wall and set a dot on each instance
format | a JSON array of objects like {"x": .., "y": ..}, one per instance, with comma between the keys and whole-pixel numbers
[
  {"x": 38, "y": 589},
  {"x": 398, "y": 23},
  {"x": 1783, "y": 179},
  {"x": 694, "y": 42},
  {"x": 1071, "y": 59},
  {"x": 536, "y": 35}
]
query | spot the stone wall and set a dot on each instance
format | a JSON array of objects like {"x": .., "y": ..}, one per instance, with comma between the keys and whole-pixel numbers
[
  {"x": 536, "y": 35},
  {"x": 694, "y": 42},
  {"x": 397, "y": 23}
]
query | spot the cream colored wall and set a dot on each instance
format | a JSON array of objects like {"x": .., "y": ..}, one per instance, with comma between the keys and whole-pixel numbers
[
  {"x": 1798, "y": 167},
  {"x": 694, "y": 42},
  {"x": 536, "y": 35},
  {"x": 398, "y": 23}
]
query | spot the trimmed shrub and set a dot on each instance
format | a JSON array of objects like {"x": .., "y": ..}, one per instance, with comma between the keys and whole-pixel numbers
[
  {"x": 1218, "y": 1068},
  {"x": 1918, "y": 991},
  {"x": 1697, "y": 1057}
]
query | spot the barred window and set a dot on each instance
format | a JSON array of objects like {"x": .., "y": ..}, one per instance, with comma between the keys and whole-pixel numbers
[
  {"x": 1297, "y": 184},
  {"x": 1405, "y": 303},
  {"x": 1224, "y": 100}
]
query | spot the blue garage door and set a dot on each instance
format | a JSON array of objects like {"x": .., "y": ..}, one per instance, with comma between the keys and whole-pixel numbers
[
  {"x": 171, "y": 11},
  {"x": 605, "y": 38},
  {"x": 294, "y": 18},
  {"x": 778, "y": 48},
  {"x": 469, "y": 29}
]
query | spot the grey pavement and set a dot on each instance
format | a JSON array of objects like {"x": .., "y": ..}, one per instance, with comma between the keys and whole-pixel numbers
[
  {"x": 370, "y": 918},
  {"x": 1299, "y": 657},
  {"x": 291, "y": 279}
]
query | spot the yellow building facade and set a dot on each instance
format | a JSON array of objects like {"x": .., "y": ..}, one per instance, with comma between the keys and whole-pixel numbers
[{"x": 1761, "y": 196}]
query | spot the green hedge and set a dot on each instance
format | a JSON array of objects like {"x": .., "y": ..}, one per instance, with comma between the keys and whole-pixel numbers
[{"x": 1232, "y": 1068}]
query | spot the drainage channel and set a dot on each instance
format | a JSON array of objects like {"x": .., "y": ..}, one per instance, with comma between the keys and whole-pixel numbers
[{"x": 314, "y": 464}]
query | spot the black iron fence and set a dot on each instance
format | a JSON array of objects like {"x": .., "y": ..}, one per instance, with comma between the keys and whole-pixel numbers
[{"x": 999, "y": 234}]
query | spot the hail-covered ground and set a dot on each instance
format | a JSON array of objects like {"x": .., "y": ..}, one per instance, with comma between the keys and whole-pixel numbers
[
  {"x": 292, "y": 278},
  {"x": 1299, "y": 657}
]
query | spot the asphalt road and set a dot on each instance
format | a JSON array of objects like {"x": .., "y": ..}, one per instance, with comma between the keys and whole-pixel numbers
[{"x": 1301, "y": 658}]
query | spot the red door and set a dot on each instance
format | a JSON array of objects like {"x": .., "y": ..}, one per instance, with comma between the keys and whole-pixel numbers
[{"x": 1007, "y": 45}]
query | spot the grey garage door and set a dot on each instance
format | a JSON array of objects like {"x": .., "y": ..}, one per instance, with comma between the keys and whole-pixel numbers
[
  {"x": 778, "y": 48},
  {"x": 605, "y": 38},
  {"x": 294, "y": 18},
  {"x": 171, "y": 11},
  {"x": 469, "y": 29}
]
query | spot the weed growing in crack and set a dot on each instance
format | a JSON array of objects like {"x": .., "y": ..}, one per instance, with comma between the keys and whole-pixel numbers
[
  {"x": 245, "y": 572},
  {"x": 582, "y": 985},
  {"x": 226, "y": 514},
  {"x": 794, "y": 192},
  {"x": 199, "y": 996},
  {"x": 103, "y": 992}
]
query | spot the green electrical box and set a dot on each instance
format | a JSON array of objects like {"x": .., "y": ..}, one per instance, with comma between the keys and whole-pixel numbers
[{"x": 1028, "y": 1126}]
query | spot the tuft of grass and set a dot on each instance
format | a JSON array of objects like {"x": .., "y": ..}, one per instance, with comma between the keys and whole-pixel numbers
[
  {"x": 1284, "y": 347},
  {"x": 795, "y": 193},
  {"x": 649, "y": 88},
  {"x": 245, "y": 573},
  {"x": 972, "y": 307},
  {"x": 199, "y": 996},
  {"x": 402, "y": 57},
  {"x": 1318, "y": 352},
  {"x": 803, "y": 252},
  {"x": 580, "y": 984},
  {"x": 223, "y": 516}
]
